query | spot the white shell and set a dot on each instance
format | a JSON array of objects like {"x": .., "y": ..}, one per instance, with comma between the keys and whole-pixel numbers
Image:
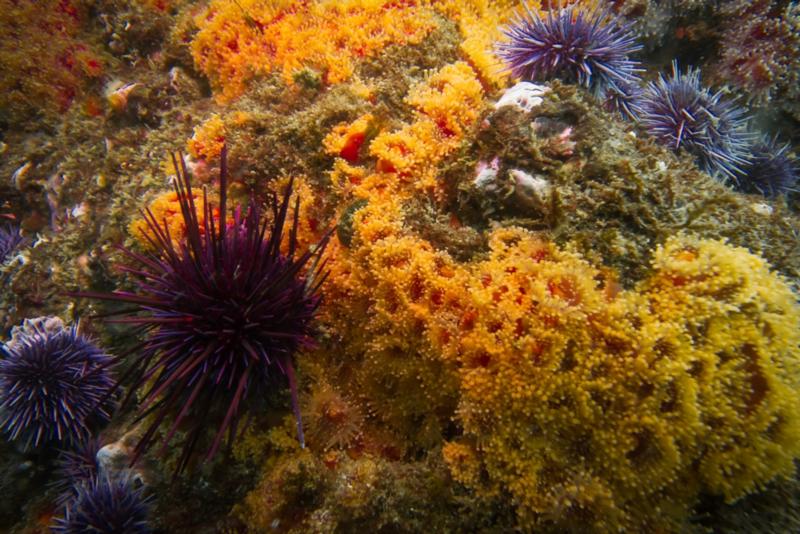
[{"x": 524, "y": 95}]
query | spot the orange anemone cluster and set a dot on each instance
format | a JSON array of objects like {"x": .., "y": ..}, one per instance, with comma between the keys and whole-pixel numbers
[
  {"x": 166, "y": 211},
  {"x": 446, "y": 109},
  {"x": 239, "y": 40}
]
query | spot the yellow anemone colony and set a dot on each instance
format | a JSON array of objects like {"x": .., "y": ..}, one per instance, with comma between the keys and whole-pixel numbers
[
  {"x": 240, "y": 40},
  {"x": 208, "y": 139},
  {"x": 587, "y": 404},
  {"x": 580, "y": 400}
]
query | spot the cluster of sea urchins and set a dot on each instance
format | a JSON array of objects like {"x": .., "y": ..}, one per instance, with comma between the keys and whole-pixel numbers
[
  {"x": 223, "y": 314},
  {"x": 97, "y": 500},
  {"x": 591, "y": 47}
]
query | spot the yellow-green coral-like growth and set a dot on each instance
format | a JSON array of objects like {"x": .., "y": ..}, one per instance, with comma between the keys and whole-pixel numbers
[{"x": 617, "y": 409}]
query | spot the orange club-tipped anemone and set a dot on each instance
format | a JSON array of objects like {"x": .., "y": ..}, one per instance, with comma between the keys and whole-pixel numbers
[{"x": 223, "y": 313}]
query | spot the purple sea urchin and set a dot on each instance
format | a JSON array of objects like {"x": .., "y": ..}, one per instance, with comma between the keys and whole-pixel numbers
[
  {"x": 10, "y": 238},
  {"x": 223, "y": 315},
  {"x": 76, "y": 467},
  {"x": 106, "y": 506},
  {"x": 576, "y": 44},
  {"x": 54, "y": 384},
  {"x": 771, "y": 171},
  {"x": 624, "y": 99},
  {"x": 683, "y": 115}
]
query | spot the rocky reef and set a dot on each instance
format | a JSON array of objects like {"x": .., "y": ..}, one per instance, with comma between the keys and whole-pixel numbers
[{"x": 519, "y": 308}]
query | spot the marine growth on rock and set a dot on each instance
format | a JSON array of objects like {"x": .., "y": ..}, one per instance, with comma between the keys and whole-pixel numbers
[{"x": 560, "y": 296}]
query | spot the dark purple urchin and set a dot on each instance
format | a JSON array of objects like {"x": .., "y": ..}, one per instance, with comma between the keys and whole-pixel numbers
[
  {"x": 75, "y": 467},
  {"x": 576, "y": 44},
  {"x": 54, "y": 385},
  {"x": 223, "y": 314},
  {"x": 106, "y": 506},
  {"x": 771, "y": 172},
  {"x": 685, "y": 116},
  {"x": 10, "y": 238}
]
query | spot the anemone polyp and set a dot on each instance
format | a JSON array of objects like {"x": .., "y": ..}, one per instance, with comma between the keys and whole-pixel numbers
[
  {"x": 55, "y": 384},
  {"x": 591, "y": 47},
  {"x": 223, "y": 314},
  {"x": 684, "y": 115}
]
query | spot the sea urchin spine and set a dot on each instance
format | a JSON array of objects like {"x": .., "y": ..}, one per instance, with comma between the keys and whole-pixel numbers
[
  {"x": 10, "y": 238},
  {"x": 75, "y": 467},
  {"x": 223, "y": 314}
]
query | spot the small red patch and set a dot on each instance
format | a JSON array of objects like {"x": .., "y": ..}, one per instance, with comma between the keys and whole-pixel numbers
[
  {"x": 445, "y": 130},
  {"x": 352, "y": 147},
  {"x": 385, "y": 166},
  {"x": 93, "y": 107},
  {"x": 482, "y": 359},
  {"x": 437, "y": 297},
  {"x": 468, "y": 320}
]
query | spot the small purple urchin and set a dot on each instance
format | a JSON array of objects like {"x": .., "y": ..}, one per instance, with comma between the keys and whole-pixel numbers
[
  {"x": 55, "y": 384},
  {"x": 75, "y": 467},
  {"x": 223, "y": 313},
  {"x": 683, "y": 115},
  {"x": 10, "y": 238},
  {"x": 106, "y": 506},
  {"x": 577, "y": 44},
  {"x": 771, "y": 172}
]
